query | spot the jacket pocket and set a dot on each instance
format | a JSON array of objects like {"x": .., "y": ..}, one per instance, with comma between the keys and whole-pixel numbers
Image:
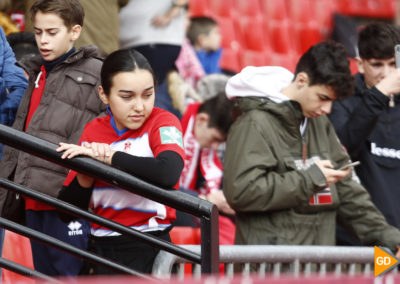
[{"x": 86, "y": 86}]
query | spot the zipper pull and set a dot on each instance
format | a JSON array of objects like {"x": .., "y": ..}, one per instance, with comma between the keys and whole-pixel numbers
[
  {"x": 304, "y": 153},
  {"x": 37, "y": 80},
  {"x": 391, "y": 101}
]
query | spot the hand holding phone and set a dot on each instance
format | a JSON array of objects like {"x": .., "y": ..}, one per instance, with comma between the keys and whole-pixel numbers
[{"x": 345, "y": 167}]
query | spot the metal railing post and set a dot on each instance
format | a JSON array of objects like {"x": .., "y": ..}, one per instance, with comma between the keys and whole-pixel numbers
[{"x": 210, "y": 243}]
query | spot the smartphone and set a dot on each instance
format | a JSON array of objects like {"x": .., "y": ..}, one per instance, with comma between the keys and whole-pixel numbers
[
  {"x": 397, "y": 55},
  {"x": 345, "y": 167}
]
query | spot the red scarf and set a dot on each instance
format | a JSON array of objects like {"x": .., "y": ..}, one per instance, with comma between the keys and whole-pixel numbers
[{"x": 210, "y": 165}]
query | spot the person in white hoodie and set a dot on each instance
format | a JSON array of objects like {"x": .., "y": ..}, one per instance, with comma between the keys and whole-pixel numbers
[{"x": 281, "y": 171}]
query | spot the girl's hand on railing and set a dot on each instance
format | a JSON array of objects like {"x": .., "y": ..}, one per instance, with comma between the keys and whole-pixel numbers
[{"x": 98, "y": 151}]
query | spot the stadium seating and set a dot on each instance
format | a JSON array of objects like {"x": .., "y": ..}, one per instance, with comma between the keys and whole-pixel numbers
[
  {"x": 247, "y": 7},
  {"x": 252, "y": 32},
  {"x": 286, "y": 28},
  {"x": 230, "y": 60},
  {"x": 273, "y": 9},
  {"x": 199, "y": 8},
  {"x": 223, "y": 8}
]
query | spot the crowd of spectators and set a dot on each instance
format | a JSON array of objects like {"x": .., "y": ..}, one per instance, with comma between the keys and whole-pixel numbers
[{"x": 249, "y": 142}]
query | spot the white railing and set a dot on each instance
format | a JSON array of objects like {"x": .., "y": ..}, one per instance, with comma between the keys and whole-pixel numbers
[{"x": 276, "y": 260}]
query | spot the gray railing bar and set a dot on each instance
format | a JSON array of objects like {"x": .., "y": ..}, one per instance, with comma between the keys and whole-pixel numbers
[
  {"x": 338, "y": 269},
  {"x": 287, "y": 253},
  {"x": 307, "y": 269},
  {"x": 277, "y": 269},
  {"x": 352, "y": 269},
  {"x": 322, "y": 269},
  {"x": 196, "y": 271},
  {"x": 261, "y": 269},
  {"x": 229, "y": 269},
  {"x": 367, "y": 269},
  {"x": 246, "y": 269},
  {"x": 296, "y": 267}
]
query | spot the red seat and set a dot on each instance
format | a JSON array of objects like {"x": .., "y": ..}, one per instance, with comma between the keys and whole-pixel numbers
[
  {"x": 307, "y": 34},
  {"x": 228, "y": 33},
  {"x": 230, "y": 60},
  {"x": 325, "y": 9},
  {"x": 199, "y": 8},
  {"x": 301, "y": 11},
  {"x": 253, "y": 58},
  {"x": 17, "y": 248},
  {"x": 379, "y": 8},
  {"x": 222, "y": 8},
  {"x": 287, "y": 61},
  {"x": 248, "y": 7},
  {"x": 185, "y": 235},
  {"x": 253, "y": 35},
  {"x": 274, "y": 9},
  {"x": 281, "y": 37}
]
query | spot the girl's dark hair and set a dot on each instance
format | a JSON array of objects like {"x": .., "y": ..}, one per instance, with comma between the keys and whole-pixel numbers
[{"x": 123, "y": 60}]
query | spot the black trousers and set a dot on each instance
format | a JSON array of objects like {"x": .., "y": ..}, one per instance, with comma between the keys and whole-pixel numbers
[{"x": 125, "y": 251}]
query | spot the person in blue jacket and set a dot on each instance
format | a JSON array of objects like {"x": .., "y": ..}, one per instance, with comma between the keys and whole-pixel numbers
[
  {"x": 12, "y": 87},
  {"x": 12, "y": 83},
  {"x": 368, "y": 123},
  {"x": 205, "y": 36}
]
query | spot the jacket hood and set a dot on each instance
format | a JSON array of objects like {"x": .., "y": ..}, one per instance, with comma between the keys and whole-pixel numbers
[
  {"x": 31, "y": 64},
  {"x": 267, "y": 82}
]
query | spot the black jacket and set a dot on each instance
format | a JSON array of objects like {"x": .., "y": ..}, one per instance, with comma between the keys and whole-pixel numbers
[{"x": 370, "y": 130}]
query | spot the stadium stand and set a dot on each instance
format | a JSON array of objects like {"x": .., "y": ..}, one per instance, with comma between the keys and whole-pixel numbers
[{"x": 285, "y": 27}]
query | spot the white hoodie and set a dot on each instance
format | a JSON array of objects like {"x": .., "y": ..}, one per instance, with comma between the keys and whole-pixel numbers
[{"x": 266, "y": 81}]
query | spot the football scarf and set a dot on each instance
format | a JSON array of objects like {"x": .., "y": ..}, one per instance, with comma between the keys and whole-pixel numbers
[{"x": 207, "y": 159}]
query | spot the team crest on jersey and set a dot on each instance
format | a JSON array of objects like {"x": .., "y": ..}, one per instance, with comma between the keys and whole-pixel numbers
[{"x": 171, "y": 135}]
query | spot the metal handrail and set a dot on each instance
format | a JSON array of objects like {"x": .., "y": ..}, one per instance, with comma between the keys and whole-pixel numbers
[
  {"x": 206, "y": 211},
  {"x": 71, "y": 209},
  {"x": 20, "y": 269},
  {"x": 274, "y": 257},
  {"x": 56, "y": 243}
]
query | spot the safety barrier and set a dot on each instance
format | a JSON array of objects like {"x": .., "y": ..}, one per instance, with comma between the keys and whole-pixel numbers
[
  {"x": 208, "y": 256},
  {"x": 276, "y": 260}
]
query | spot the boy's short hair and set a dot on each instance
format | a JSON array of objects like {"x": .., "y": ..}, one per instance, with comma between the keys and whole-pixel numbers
[
  {"x": 199, "y": 26},
  {"x": 377, "y": 40},
  {"x": 71, "y": 11},
  {"x": 220, "y": 110},
  {"x": 327, "y": 64}
]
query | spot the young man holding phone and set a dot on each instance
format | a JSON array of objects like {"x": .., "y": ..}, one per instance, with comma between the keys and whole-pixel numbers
[
  {"x": 368, "y": 123},
  {"x": 282, "y": 156}
]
